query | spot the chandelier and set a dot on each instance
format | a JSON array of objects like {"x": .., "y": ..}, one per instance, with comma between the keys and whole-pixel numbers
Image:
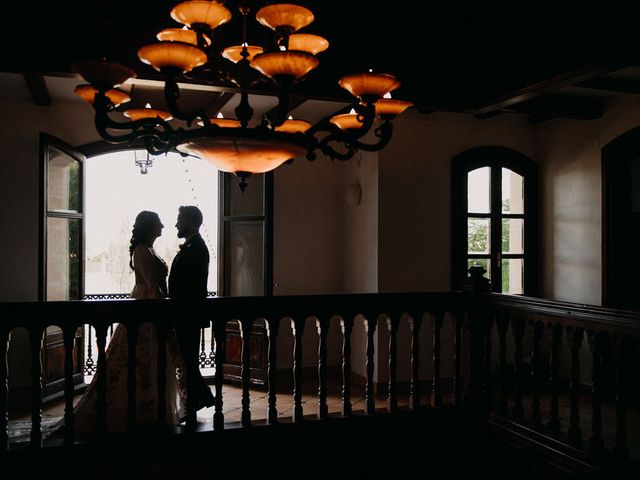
[{"x": 232, "y": 145}]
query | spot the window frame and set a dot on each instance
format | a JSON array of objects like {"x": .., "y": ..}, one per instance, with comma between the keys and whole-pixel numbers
[
  {"x": 101, "y": 148},
  {"x": 496, "y": 158},
  {"x": 46, "y": 141}
]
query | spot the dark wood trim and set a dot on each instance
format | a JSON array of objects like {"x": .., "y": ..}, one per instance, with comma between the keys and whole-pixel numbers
[
  {"x": 37, "y": 86},
  {"x": 585, "y": 315},
  {"x": 564, "y": 106},
  {"x": 495, "y": 157},
  {"x": 611, "y": 84},
  {"x": 546, "y": 86}
]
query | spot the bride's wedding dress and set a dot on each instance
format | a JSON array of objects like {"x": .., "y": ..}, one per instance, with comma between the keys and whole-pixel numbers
[{"x": 151, "y": 274}]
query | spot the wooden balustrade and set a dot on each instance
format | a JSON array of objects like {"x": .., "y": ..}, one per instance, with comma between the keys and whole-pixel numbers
[
  {"x": 578, "y": 385},
  {"x": 516, "y": 372}
]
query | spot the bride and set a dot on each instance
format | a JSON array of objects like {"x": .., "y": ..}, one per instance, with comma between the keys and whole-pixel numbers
[{"x": 151, "y": 282}]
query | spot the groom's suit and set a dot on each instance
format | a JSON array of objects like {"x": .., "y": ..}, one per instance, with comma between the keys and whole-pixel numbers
[{"x": 188, "y": 281}]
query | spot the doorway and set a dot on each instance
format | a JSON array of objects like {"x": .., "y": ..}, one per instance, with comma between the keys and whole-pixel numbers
[{"x": 621, "y": 222}]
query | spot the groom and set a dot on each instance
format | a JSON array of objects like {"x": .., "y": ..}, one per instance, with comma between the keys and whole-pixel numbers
[{"x": 188, "y": 281}]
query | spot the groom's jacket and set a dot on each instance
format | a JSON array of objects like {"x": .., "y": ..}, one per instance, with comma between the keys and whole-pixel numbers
[{"x": 189, "y": 270}]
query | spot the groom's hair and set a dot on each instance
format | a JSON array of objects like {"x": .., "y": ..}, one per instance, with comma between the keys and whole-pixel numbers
[{"x": 191, "y": 212}]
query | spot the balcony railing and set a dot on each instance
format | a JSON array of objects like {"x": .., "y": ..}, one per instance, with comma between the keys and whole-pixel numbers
[{"x": 558, "y": 375}]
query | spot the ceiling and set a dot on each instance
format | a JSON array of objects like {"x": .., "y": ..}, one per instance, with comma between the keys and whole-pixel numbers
[{"x": 562, "y": 59}]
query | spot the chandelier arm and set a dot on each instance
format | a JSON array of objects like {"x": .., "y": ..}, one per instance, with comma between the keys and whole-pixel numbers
[
  {"x": 137, "y": 129},
  {"x": 325, "y": 147},
  {"x": 171, "y": 95},
  {"x": 383, "y": 133},
  {"x": 325, "y": 123}
]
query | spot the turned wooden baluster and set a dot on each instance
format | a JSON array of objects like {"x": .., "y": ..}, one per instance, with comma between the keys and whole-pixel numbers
[
  {"x": 623, "y": 382},
  {"x": 297, "y": 326},
  {"x": 272, "y": 335},
  {"x": 518, "y": 327},
  {"x": 415, "y": 322},
  {"x": 502, "y": 324},
  {"x": 554, "y": 361},
  {"x": 369, "y": 400},
  {"x": 68, "y": 336},
  {"x": 161, "y": 339},
  {"x": 323, "y": 329},
  {"x": 132, "y": 341},
  {"x": 346, "y": 325},
  {"x": 436, "y": 392},
  {"x": 457, "y": 360},
  {"x": 245, "y": 335},
  {"x": 597, "y": 345},
  {"x": 4, "y": 390},
  {"x": 488, "y": 399},
  {"x": 392, "y": 393},
  {"x": 36, "y": 336},
  {"x": 220, "y": 333},
  {"x": 574, "y": 433},
  {"x": 536, "y": 374},
  {"x": 101, "y": 378}
]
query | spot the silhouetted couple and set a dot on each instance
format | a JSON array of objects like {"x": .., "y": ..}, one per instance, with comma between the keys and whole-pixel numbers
[{"x": 187, "y": 283}]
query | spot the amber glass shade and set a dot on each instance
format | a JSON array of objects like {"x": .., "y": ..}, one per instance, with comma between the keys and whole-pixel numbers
[
  {"x": 198, "y": 11},
  {"x": 346, "y": 121},
  {"x": 233, "y": 53},
  {"x": 369, "y": 84},
  {"x": 225, "y": 122},
  {"x": 242, "y": 154},
  {"x": 284, "y": 16},
  {"x": 290, "y": 64},
  {"x": 180, "y": 35},
  {"x": 103, "y": 74},
  {"x": 294, "y": 126},
  {"x": 88, "y": 93},
  {"x": 305, "y": 42},
  {"x": 140, "y": 113},
  {"x": 172, "y": 55},
  {"x": 391, "y": 106}
]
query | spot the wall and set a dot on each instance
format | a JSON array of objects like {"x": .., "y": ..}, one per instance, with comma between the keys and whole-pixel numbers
[
  {"x": 414, "y": 250},
  {"x": 19, "y": 130},
  {"x": 571, "y": 203}
]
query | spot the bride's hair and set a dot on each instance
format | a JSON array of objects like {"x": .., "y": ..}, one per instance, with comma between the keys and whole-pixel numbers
[{"x": 145, "y": 221}]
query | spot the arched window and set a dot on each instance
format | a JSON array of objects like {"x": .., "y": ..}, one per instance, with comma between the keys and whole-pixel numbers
[{"x": 495, "y": 218}]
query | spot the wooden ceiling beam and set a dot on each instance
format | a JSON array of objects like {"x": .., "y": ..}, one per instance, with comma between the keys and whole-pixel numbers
[
  {"x": 37, "y": 86},
  {"x": 610, "y": 84},
  {"x": 545, "y": 87},
  {"x": 562, "y": 106}
]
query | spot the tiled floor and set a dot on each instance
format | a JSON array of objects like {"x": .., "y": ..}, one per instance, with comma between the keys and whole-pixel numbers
[
  {"x": 232, "y": 409},
  {"x": 19, "y": 423}
]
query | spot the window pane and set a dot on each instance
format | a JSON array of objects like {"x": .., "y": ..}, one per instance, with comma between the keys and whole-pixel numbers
[
  {"x": 478, "y": 235},
  {"x": 244, "y": 258},
  {"x": 478, "y": 190},
  {"x": 249, "y": 202},
  {"x": 513, "y": 275},
  {"x": 63, "y": 259},
  {"x": 480, "y": 261},
  {"x": 63, "y": 182},
  {"x": 512, "y": 235},
  {"x": 512, "y": 192}
]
